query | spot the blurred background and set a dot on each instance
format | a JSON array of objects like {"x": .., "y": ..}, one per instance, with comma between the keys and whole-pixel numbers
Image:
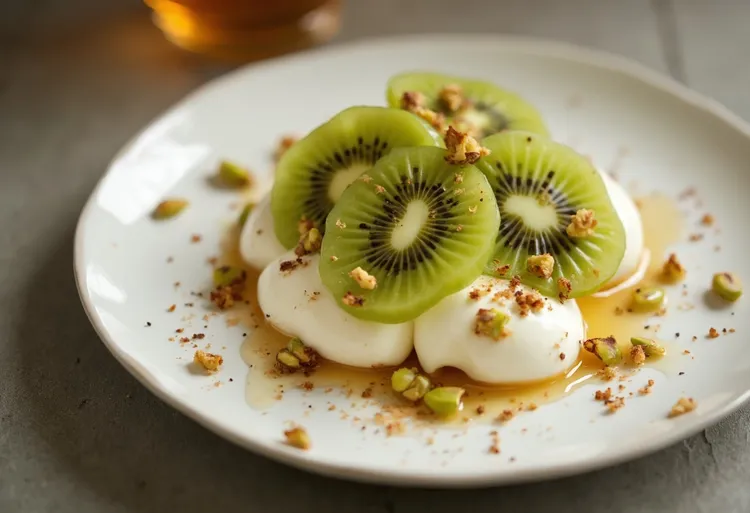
[{"x": 79, "y": 77}]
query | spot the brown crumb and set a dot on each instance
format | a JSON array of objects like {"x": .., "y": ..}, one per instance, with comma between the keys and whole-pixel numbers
[
  {"x": 350, "y": 299},
  {"x": 607, "y": 373},
  {"x": 413, "y": 102},
  {"x": 379, "y": 189},
  {"x": 532, "y": 407},
  {"x": 209, "y": 361},
  {"x": 284, "y": 144},
  {"x": 529, "y": 301},
  {"x": 462, "y": 148},
  {"x": 605, "y": 395},
  {"x": 615, "y": 404},
  {"x": 502, "y": 269},
  {"x": 562, "y": 356},
  {"x": 298, "y": 437},
  {"x": 451, "y": 97},
  {"x": 199, "y": 336},
  {"x": 363, "y": 278},
  {"x": 682, "y": 406},
  {"x": 222, "y": 297},
  {"x": 638, "y": 355},
  {"x": 367, "y": 393},
  {"x": 171, "y": 308},
  {"x": 673, "y": 269},
  {"x": 495, "y": 446},
  {"x": 541, "y": 265},
  {"x": 480, "y": 409},
  {"x": 505, "y": 415},
  {"x": 582, "y": 224},
  {"x": 713, "y": 333},
  {"x": 195, "y": 238},
  {"x": 564, "y": 288},
  {"x": 695, "y": 237},
  {"x": 307, "y": 385},
  {"x": 647, "y": 388},
  {"x": 707, "y": 220}
]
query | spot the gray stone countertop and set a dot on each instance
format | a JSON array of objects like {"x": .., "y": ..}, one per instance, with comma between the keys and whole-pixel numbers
[{"x": 79, "y": 434}]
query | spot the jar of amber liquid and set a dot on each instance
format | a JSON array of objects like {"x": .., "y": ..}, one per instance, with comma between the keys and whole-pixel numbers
[{"x": 246, "y": 30}]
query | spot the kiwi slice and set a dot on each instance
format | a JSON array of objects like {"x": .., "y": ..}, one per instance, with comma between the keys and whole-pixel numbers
[
  {"x": 411, "y": 231},
  {"x": 312, "y": 174},
  {"x": 487, "y": 108},
  {"x": 541, "y": 187}
]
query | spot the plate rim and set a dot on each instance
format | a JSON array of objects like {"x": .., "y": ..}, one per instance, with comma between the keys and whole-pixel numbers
[{"x": 406, "y": 477}]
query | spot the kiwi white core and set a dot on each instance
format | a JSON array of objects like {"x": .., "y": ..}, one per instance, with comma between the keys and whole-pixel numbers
[
  {"x": 407, "y": 229},
  {"x": 342, "y": 178},
  {"x": 535, "y": 216},
  {"x": 475, "y": 117}
]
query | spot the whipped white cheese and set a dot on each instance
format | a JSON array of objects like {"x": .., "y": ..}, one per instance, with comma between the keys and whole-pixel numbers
[
  {"x": 630, "y": 217},
  {"x": 258, "y": 243},
  {"x": 295, "y": 302},
  {"x": 539, "y": 345}
]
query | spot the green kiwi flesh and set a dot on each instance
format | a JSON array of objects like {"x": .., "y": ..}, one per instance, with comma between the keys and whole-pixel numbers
[
  {"x": 539, "y": 184},
  {"x": 313, "y": 173},
  {"x": 422, "y": 227},
  {"x": 491, "y": 109}
]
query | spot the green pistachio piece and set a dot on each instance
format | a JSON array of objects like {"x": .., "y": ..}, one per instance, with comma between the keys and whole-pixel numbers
[
  {"x": 288, "y": 360},
  {"x": 402, "y": 379},
  {"x": 727, "y": 285},
  {"x": 445, "y": 401},
  {"x": 242, "y": 219},
  {"x": 169, "y": 208},
  {"x": 648, "y": 299},
  {"x": 233, "y": 175},
  {"x": 650, "y": 347},
  {"x": 303, "y": 353},
  {"x": 419, "y": 387},
  {"x": 227, "y": 275},
  {"x": 605, "y": 349},
  {"x": 491, "y": 323}
]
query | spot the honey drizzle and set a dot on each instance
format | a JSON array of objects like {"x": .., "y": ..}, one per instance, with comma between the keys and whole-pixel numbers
[{"x": 604, "y": 316}]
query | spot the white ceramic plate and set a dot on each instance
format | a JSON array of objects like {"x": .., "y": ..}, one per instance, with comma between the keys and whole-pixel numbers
[{"x": 598, "y": 103}]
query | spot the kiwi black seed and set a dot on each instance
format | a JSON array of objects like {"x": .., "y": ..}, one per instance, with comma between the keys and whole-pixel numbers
[
  {"x": 313, "y": 173},
  {"x": 486, "y": 108},
  {"x": 421, "y": 227},
  {"x": 539, "y": 186}
]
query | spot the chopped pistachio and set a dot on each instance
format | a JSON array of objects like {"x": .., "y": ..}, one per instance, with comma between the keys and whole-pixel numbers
[
  {"x": 582, "y": 224},
  {"x": 491, "y": 323},
  {"x": 304, "y": 225},
  {"x": 226, "y": 275},
  {"x": 402, "y": 379},
  {"x": 287, "y": 360},
  {"x": 727, "y": 286},
  {"x": 648, "y": 299},
  {"x": 169, "y": 208},
  {"x": 233, "y": 175},
  {"x": 304, "y": 354},
  {"x": 242, "y": 219},
  {"x": 312, "y": 240},
  {"x": 606, "y": 349},
  {"x": 462, "y": 148},
  {"x": 418, "y": 388},
  {"x": 445, "y": 401},
  {"x": 650, "y": 347},
  {"x": 541, "y": 265}
]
